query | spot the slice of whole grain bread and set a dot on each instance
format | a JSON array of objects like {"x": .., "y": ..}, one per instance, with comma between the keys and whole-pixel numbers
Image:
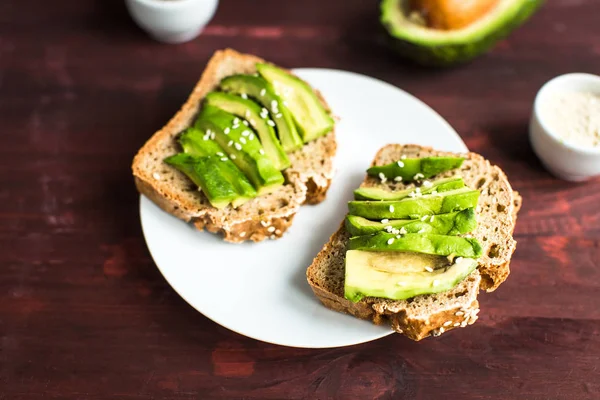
[
  {"x": 267, "y": 216},
  {"x": 433, "y": 314}
]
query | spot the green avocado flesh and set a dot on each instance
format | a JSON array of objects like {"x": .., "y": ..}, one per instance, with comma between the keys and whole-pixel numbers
[
  {"x": 446, "y": 47},
  {"x": 278, "y": 114},
  {"x": 417, "y": 207},
  {"x": 455, "y": 223},
  {"x": 413, "y": 169},
  {"x": 401, "y": 275},
  {"x": 250, "y": 111},
  {"x": 246, "y": 153},
  {"x": 426, "y": 243},
  {"x": 197, "y": 143},
  {"x": 310, "y": 116},
  {"x": 440, "y": 185},
  {"x": 206, "y": 173}
]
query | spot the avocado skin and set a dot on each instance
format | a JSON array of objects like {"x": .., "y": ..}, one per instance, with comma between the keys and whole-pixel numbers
[
  {"x": 207, "y": 174},
  {"x": 427, "y": 166},
  {"x": 366, "y": 274},
  {"x": 193, "y": 143},
  {"x": 455, "y": 223},
  {"x": 452, "y": 54},
  {"x": 426, "y": 243},
  {"x": 441, "y": 185},
  {"x": 446, "y": 202},
  {"x": 249, "y": 110}
]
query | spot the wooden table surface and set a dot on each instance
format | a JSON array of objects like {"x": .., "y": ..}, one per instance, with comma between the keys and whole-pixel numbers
[{"x": 84, "y": 312}]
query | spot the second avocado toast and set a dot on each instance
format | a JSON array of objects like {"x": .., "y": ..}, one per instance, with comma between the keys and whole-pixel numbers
[{"x": 257, "y": 141}]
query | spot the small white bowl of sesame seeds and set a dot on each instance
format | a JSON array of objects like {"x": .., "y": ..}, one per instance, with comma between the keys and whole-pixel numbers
[
  {"x": 565, "y": 126},
  {"x": 172, "y": 21}
]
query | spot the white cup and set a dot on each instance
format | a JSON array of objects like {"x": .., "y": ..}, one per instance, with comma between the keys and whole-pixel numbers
[
  {"x": 172, "y": 21},
  {"x": 568, "y": 161}
]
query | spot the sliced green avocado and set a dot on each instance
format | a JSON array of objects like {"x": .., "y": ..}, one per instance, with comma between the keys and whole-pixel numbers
[
  {"x": 413, "y": 169},
  {"x": 426, "y": 243},
  {"x": 246, "y": 153},
  {"x": 417, "y": 207},
  {"x": 197, "y": 143},
  {"x": 440, "y": 185},
  {"x": 455, "y": 223},
  {"x": 250, "y": 111},
  {"x": 446, "y": 47},
  {"x": 309, "y": 114},
  {"x": 207, "y": 174},
  {"x": 273, "y": 111},
  {"x": 401, "y": 275}
]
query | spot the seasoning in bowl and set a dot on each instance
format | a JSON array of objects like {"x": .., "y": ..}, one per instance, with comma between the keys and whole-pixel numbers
[{"x": 574, "y": 117}]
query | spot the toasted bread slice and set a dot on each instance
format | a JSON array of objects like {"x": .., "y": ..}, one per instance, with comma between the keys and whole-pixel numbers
[
  {"x": 268, "y": 216},
  {"x": 433, "y": 314}
]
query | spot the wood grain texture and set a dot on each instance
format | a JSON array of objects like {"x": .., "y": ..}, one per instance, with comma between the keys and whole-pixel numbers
[{"x": 84, "y": 313}]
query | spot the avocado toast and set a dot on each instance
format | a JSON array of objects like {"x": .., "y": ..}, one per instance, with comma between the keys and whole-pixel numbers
[
  {"x": 422, "y": 315},
  {"x": 283, "y": 182}
]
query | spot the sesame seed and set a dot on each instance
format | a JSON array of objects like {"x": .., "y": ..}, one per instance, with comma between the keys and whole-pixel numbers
[
  {"x": 226, "y": 131},
  {"x": 435, "y": 282},
  {"x": 230, "y": 143},
  {"x": 220, "y": 154},
  {"x": 246, "y": 133},
  {"x": 247, "y": 114},
  {"x": 390, "y": 241},
  {"x": 156, "y": 176},
  {"x": 389, "y": 228},
  {"x": 238, "y": 146},
  {"x": 265, "y": 223},
  {"x": 236, "y": 121},
  {"x": 424, "y": 217},
  {"x": 271, "y": 123},
  {"x": 428, "y": 269},
  {"x": 382, "y": 177},
  {"x": 242, "y": 234},
  {"x": 224, "y": 159},
  {"x": 264, "y": 111},
  {"x": 459, "y": 313},
  {"x": 457, "y": 324},
  {"x": 261, "y": 151},
  {"x": 285, "y": 103},
  {"x": 251, "y": 136},
  {"x": 403, "y": 157},
  {"x": 263, "y": 91},
  {"x": 278, "y": 115},
  {"x": 418, "y": 190},
  {"x": 245, "y": 122},
  {"x": 212, "y": 135},
  {"x": 206, "y": 137},
  {"x": 432, "y": 218},
  {"x": 277, "y": 232},
  {"x": 244, "y": 96},
  {"x": 391, "y": 208},
  {"x": 427, "y": 184},
  {"x": 434, "y": 192},
  {"x": 385, "y": 221},
  {"x": 419, "y": 176},
  {"x": 242, "y": 140},
  {"x": 272, "y": 237},
  {"x": 463, "y": 324},
  {"x": 473, "y": 319},
  {"x": 271, "y": 229},
  {"x": 232, "y": 156},
  {"x": 398, "y": 236},
  {"x": 442, "y": 330},
  {"x": 252, "y": 122},
  {"x": 398, "y": 179},
  {"x": 447, "y": 323},
  {"x": 403, "y": 231},
  {"x": 421, "y": 230},
  {"x": 274, "y": 104},
  {"x": 400, "y": 164}
]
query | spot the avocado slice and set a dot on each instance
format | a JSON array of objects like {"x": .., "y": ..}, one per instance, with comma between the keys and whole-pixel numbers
[
  {"x": 311, "y": 118},
  {"x": 401, "y": 275},
  {"x": 246, "y": 153},
  {"x": 440, "y": 185},
  {"x": 428, "y": 46},
  {"x": 426, "y": 243},
  {"x": 207, "y": 174},
  {"x": 250, "y": 111},
  {"x": 417, "y": 207},
  {"x": 413, "y": 169},
  {"x": 276, "y": 114},
  {"x": 197, "y": 143},
  {"x": 455, "y": 223}
]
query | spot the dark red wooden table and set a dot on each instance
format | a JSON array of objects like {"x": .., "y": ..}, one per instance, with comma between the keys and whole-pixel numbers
[{"x": 85, "y": 314}]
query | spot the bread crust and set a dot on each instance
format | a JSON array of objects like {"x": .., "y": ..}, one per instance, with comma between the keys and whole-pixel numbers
[
  {"x": 264, "y": 217},
  {"x": 461, "y": 305}
]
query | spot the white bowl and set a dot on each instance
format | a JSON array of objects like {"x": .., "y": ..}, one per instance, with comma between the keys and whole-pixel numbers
[
  {"x": 568, "y": 161},
  {"x": 172, "y": 21}
]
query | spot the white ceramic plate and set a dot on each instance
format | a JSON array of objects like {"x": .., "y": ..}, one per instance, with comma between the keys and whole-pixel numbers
[{"x": 259, "y": 289}]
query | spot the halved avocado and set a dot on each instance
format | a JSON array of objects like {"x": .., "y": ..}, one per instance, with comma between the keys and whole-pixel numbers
[
  {"x": 250, "y": 111},
  {"x": 311, "y": 118},
  {"x": 430, "y": 46}
]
